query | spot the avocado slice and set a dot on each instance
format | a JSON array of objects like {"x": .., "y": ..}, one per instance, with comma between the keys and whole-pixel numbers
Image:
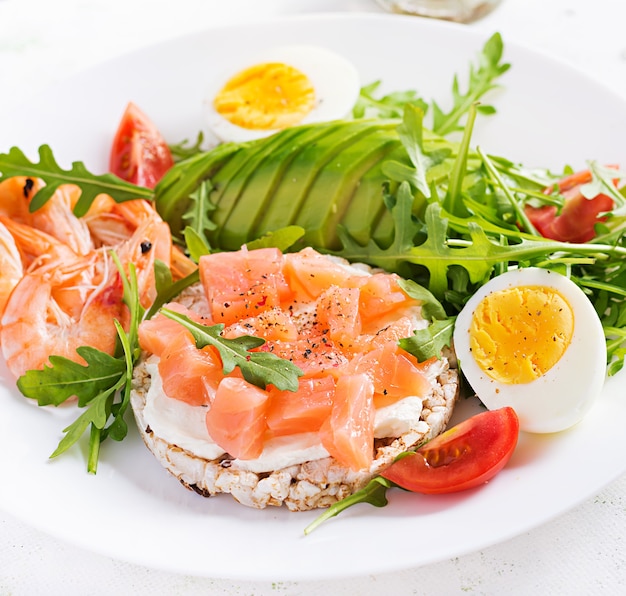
[
  {"x": 256, "y": 196},
  {"x": 292, "y": 194},
  {"x": 335, "y": 186}
]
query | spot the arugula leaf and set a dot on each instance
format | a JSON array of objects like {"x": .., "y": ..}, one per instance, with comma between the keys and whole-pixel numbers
[
  {"x": 102, "y": 385},
  {"x": 481, "y": 80},
  {"x": 65, "y": 379},
  {"x": 185, "y": 149},
  {"x": 429, "y": 342},
  {"x": 166, "y": 288},
  {"x": 478, "y": 254},
  {"x": 431, "y": 307},
  {"x": 602, "y": 183},
  {"x": 374, "y": 493},
  {"x": 259, "y": 368},
  {"x": 195, "y": 244},
  {"x": 391, "y": 105},
  {"x": 411, "y": 135},
  {"x": 15, "y": 163},
  {"x": 95, "y": 416},
  {"x": 197, "y": 215},
  {"x": 453, "y": 201}
]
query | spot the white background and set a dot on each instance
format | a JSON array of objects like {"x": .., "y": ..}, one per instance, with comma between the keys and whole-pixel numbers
[{"x": 581, "y": 552}]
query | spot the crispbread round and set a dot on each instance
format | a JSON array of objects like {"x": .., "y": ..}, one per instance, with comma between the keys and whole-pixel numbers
[{"x": 308, "y": 485}]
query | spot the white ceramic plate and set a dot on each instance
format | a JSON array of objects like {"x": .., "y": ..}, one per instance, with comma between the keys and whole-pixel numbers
[{"x": 549, "y": 115}]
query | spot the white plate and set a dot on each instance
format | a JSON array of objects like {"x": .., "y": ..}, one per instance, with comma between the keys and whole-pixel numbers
[{"x": 549, "y": 115}]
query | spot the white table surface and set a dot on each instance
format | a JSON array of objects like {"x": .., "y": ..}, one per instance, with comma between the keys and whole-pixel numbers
[{"x": 581, "y": 552}]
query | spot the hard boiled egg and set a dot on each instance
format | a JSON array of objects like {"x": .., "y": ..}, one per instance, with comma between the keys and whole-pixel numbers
[
  {"x": 531, "y": 339},
  {"x": 282, "y": 87}
]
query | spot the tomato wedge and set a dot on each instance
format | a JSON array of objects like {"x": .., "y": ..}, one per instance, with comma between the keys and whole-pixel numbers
[
  {"x": 139, "y": 153},
  {"x": 578, "y": 216},
  {"x": 463, "y": 457}
]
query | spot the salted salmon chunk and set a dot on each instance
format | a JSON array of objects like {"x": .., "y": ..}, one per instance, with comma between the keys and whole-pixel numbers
[
  {"x": 301, "y": 411},
  {"x": 189, "y": 374},
  {"x": 380, "y": 298},
  {"x": 314, "y": 355},
  {"x": 274, "y": 324},
  {"x": 236, "y": 419},
  {"x": 348, "y": 433},
  {"x": 310, "y": 273},
  {"x": 338, "y": 310},
  {"x": 243, "y": 284},
  {"x": 157, "y": 333},
  {"x": 394, "y": 374}
]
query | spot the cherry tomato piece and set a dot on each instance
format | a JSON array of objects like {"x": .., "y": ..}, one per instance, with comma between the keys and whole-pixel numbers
[
  {"x": 139, "y": 153},
  {"x": 578, "y": 215},
  {"x": 463, "y": 457}
]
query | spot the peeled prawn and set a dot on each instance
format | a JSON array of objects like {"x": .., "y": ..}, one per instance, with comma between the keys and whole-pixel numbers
[
  {"x": 35, "y": 323},
  {"x": 111, "y": 223},
  {"x": 37, "y": 248},
  {"x": 57, "y": 218}
]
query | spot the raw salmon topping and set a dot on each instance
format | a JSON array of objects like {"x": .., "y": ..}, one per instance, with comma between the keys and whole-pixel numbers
[{"x": 339, "y": 324}]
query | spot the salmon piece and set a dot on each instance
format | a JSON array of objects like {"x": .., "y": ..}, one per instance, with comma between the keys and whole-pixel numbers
[
  {"x": 274, "y": 325},
  {"x": 236, "y": 419},
  {"x": 392, "y": 332},
  {"x": 242, "y": 284},
  {"x": 393, "y": 373},
  {"x": 301, "y": 411},
  {"x": 380, "y": 298},
  {"x": 157, "y": 333},
  {"x": 315, "y": 355},
  {"x": 348, "y": 433},
  {"x": 188, "y": 374},
  {"x": 337, "y": 310},
  {"x": 310, "y": 273}
]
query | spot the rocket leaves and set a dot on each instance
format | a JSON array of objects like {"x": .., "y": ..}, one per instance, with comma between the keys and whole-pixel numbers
[
  {"x": 258, "y": 368},
  {"x": 15, "y": 163},
  {"x": 102, "y": 385}
]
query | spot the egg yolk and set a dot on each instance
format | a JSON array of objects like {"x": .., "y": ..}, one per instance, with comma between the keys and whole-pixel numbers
[
  {"x": 269, "y": 96},
  {"x": 518, "y": 334}
]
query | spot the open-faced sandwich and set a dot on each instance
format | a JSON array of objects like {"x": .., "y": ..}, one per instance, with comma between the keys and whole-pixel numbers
[{"x": 311, "y": 414}]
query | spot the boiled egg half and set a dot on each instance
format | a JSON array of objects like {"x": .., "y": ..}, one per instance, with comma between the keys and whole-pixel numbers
[
  {"x": 279, "y": 88},
  {"x": 531, "y": 339}
]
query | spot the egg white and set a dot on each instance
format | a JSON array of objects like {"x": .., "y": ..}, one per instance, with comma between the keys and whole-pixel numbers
[
  {"x": 334, "y": 78},
  {"x": 564, "y": 394}
]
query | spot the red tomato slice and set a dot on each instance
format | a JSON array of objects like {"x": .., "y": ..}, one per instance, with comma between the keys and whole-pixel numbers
[
  {"x": 578, "y": 215},
  {"x": 465, "y": 456},
  {"x": 139, "y": 153}
]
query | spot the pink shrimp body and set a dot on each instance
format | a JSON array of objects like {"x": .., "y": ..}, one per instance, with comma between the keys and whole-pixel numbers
[{"x": 35, "y": 325}]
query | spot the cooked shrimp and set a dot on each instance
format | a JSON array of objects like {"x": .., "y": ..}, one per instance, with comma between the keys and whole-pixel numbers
[
  {"x": 11, "y": 269},
  {"x": 111, "y": 223},
  {"x": 39, "y": 320},
  {"x": 37, "y": 248},
  {"x": 57, "y": 218},
  {"x": 15, "y": 195},
  {"x": 151, "y": 241}
]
